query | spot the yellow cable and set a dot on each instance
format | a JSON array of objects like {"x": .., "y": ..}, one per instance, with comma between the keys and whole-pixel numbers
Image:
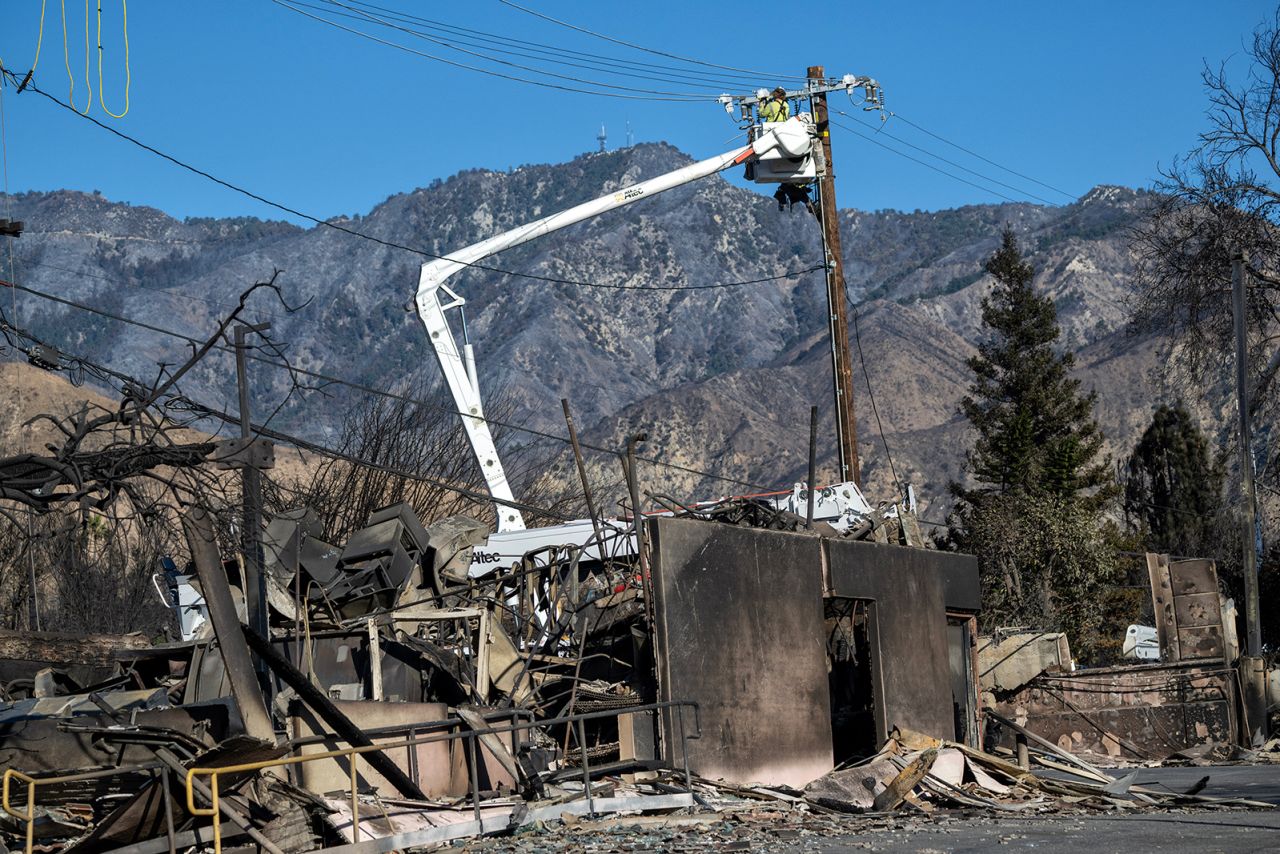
[
  {"x": 66, "y": 60},
  {"x": 39, "y": 37},
  {"x": 88, "y": 85},
  {"x": 124, "y": 5}
]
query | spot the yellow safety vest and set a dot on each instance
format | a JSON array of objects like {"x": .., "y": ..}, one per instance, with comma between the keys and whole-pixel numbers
[{"x": 775, "y": 111}]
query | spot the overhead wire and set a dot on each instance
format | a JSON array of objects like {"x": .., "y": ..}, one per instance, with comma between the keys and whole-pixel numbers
[
  {"x": 200, "y": 409},
  {"x": 973, "y": 153},
  {"x": 390, "y": 17},
  {"x": 468, "y": 67},
  {"x": 368, "y": 389},
  {"x": 924, "y": 163},
  {"x": 167, "y": 292},
  {"x": 451, "y": 45},
  {"x": 438, "y": 34},
  {"x": 32, "y": 86},
  {"x": 871, "y": 395},
  {"x": 900, "y": 141},
  {"x": 8, "y": 198},
  {"x": 729, "y": 80},
  {"x": 39, "y": 36},
  {"x": 66, "y": 59},
  {"x": 653, "y": 51}
]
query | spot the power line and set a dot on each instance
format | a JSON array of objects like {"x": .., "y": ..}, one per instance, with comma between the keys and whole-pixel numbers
[
  {"x": 453, "y": 45},
  {"x": 980, "y": 157},
  {"x": 388, "y": 243},
  {"x": 901, "y": 141},
  {"x": 676, "y": 73},
  {"x": 4, "y": 163},
  {"x": 317, "y": 448},
  {"x": 183, "y": 401},
  {"x": 448, "y": 36},
  {"x": 567, "y": 25},
  {"x": 326, "y": 378},
  {"x": 924, "y": 163},
  {"x": 652, "y": 97},
  {"x": 884, "y": 440},
  {"x": 168, "y": 292}
]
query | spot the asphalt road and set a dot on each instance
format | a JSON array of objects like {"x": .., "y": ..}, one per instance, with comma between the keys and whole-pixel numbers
[
  {"x": 1255, "y": 782},
  {"x": 1225, "y": 832},
  {"x": 1228, "y": 831}
]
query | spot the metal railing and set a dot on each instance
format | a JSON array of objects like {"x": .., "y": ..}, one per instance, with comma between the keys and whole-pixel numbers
[
  {"x": 471, "y": 736},
  {"x": 29, "y": 816}
]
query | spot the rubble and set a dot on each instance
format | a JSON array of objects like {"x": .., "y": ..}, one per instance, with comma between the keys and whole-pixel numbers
[
  {"x": 406, "y": 696},
  {"x": 418, "y": 700},
  {"x": 927, "y": 773}
]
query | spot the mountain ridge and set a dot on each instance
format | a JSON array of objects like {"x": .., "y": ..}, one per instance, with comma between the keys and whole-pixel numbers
[{"x": 723, "y": 378}]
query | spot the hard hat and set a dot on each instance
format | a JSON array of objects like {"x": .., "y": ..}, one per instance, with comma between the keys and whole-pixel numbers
[{"x": 780, "y": 92}]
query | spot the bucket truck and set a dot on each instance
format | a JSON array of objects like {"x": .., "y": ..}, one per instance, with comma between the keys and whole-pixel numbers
[{"x": 779, "y": 151}]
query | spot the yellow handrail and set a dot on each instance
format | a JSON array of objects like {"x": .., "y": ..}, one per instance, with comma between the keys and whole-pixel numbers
[
  {"x": 32, "y": 782},
  {"x": 30, "y": 815},
  {"x": 213, "y": 773}
]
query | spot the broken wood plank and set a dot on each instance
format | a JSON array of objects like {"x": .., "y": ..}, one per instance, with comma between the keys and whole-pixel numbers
[{"x": 908, "y": 778}]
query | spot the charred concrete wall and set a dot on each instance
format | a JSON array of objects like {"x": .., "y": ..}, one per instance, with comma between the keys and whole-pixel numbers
[
  {"x": 1144, "y": 711},
  {"x": 740, "y": 630},
  {"x": 909, "y": 591}
]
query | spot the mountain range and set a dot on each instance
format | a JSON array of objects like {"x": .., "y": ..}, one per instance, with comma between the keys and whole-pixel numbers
[{"x": 721, "y": 378}]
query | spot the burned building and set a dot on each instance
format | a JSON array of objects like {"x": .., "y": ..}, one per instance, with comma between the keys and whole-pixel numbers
[{"x": 390, "y": 670}]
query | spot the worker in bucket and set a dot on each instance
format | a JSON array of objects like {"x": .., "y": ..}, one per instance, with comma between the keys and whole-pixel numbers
[{"x": 776, "y": 109}]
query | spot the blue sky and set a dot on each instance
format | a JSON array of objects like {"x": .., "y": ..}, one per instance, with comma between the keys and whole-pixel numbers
[{"x": 1071, "y": 94}]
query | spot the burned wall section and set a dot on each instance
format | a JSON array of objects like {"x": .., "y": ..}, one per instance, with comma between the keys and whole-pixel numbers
[
  {"x": 741, "y": 629},
  {"x": 1141, "y": 712},
  {"x": 909, "y": 592},
  {"x": 739, "y": 624}
]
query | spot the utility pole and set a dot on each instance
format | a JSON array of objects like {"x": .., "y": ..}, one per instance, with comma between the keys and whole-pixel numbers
[
  {"x": 1252, "y": 616},
  {"x": 255, "y": 580},
  {"x": 841, "y": 367},
  {"x": 34, "y": 618}
]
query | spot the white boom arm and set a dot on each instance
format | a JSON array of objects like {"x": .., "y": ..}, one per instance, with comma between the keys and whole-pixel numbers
[{"x": 434, "y": 298}]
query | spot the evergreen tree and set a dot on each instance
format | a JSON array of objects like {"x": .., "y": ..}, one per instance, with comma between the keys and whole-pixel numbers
[
  {"x": 1173, "y": 487},
  {"x": 1044, "y": 552},
  {"x": 1036, "y": 431}
]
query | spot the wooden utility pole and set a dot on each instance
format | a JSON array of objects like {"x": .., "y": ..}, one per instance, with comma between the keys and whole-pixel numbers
[
  {"x": 841, "y": 368},
  {"x": 1252, "y": 616},
  {"x": 255, "y": 580}
]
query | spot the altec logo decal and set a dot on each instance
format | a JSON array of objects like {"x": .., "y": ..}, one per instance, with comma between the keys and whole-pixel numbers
[
  {"x": 484, "y": 557},
  {"x": 628, "y": 195}
]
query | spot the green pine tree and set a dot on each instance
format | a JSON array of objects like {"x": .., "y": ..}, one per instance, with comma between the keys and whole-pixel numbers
[
  {"x": 1173, "y": 488},
  {"x": 1045, "y": 555},
  {"x": 1036, "y": 431}
]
